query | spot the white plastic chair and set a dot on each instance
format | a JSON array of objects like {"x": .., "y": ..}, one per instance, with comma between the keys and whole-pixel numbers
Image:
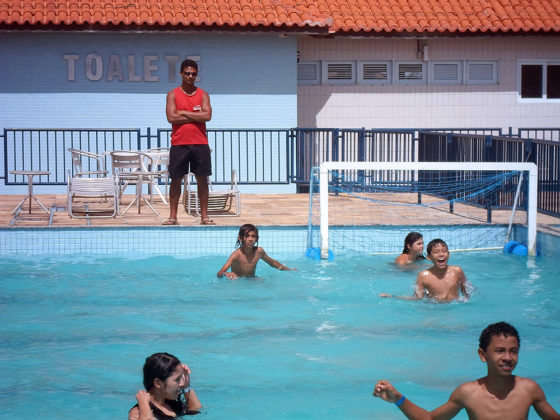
[
  {"x": 226, "y": 202},
  {"x": 160, "y": 157},
  {"x": 78, "y": 164},
  {"x": 130, "y": 167},
  {"x": 102, "y": 189}
]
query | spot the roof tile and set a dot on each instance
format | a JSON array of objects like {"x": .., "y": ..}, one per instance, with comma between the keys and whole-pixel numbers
[{"x": 338, "y": 16}]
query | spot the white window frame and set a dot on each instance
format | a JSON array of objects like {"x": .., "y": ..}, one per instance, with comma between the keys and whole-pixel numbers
[
  {"x": 325, "y": 73},
  {"x": 457, "y": 81},
  {"x": 544, "y": 64},
  {"x": 387, "y": 81},
  {"x": 492, "y": 81},
  {"x": 396, "y": 68},
  {"x": 317, "y": 79}
]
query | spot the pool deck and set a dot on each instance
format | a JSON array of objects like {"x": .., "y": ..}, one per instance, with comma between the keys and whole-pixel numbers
[{"x": 259, "y": 209}]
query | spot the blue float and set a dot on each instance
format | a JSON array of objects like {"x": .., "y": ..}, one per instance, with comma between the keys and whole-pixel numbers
[
  {"x": 508, "y": 247},
  {"x": 315, "y": 254},
  {"x": 516, "y": 248}
]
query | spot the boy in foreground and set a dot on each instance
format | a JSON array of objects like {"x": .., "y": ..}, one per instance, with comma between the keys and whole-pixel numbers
[
  {"x": 498, "y": 395},
  {"x": 441, "y": 282}
]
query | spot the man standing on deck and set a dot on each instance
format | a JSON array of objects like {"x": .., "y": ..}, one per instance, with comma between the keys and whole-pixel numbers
[{"x": 188, "y": 109}]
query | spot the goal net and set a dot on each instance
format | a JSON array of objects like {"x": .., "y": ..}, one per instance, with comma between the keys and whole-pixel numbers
[{"x": 369, "y": 207}]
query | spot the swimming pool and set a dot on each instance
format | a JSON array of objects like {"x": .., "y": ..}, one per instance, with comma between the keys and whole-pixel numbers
[{"x": 308, "y": 344}]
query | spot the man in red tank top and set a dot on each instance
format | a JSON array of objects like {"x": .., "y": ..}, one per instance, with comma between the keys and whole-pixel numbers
[{"x": 187, "y": 109}]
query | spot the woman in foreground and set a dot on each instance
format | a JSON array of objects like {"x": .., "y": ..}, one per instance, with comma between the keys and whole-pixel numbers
[{"x": 168, "y": 391}]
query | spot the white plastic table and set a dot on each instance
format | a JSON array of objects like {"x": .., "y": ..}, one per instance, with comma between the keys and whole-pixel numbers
[
  {"x": 30, "y": 196},
  {"x": 157, "y": 157}
]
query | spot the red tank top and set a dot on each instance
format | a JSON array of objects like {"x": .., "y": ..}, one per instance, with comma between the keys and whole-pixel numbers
[{"x": 190, "y": 133}]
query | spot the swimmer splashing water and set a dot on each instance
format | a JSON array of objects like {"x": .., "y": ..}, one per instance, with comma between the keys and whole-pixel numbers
[{"x": 441, "y": 282}]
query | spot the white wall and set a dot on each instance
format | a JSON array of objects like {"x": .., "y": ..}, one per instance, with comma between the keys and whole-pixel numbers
[{"x": 424, "y": 106}]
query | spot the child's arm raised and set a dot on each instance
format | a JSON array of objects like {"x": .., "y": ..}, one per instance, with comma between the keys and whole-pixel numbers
[
  {"x": 273, "y": 263},
  {"x": 224, "y": 270}
]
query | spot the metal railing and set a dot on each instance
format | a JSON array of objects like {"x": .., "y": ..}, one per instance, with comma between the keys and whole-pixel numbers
[
  {"x": 449, "y": 147},
  {"x": 285, "y": 156},
  {"x": 259, "y": 156},
  {"x": 313, "y": 146}
]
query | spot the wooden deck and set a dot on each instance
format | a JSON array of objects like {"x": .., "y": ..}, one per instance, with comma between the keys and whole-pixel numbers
[{"x": 259, "y": 209}]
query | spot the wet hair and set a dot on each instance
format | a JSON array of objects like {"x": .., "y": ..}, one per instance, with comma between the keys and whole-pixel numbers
[
  {"x": 159, "y": 366},
  {"x": 497, "y": 329},
  {"x": 188, "y": 63},
  {"x": 410, "y": 239},
  {"x": 435, "y": 242},
  {"x": 243, "y": 231}
]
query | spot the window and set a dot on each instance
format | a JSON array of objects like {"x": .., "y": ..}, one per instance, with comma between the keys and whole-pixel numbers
[
  {"x": 553, "y": 81},
  {"x": 445, "y": 73},
  {"x": 540, "y": 80},
  {"x": 410, "y": 73},
  {"x": 374, "y": 72},
  {"x": 482, "y": 72},
  {"x": 308, "y": 73},
  {"x": 339, "y": 73}
]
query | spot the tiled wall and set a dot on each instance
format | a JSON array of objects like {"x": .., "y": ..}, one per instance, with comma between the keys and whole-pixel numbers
[
  {"x": 181, "y": 241},
  {"x": 204, "y": 241},
  {"x": 421, "y": 106}
]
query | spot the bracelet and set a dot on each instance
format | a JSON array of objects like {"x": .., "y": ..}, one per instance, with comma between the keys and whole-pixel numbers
[
  {"x": 399, "y": 402},
  {"x": 187, "y": 389}
]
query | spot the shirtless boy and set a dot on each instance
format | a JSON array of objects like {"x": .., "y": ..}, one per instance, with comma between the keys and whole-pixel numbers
[
  {"x": 441, "y": 282},
  {"x": 499, "y": 395},
  {"x": 243, "y": 261}
]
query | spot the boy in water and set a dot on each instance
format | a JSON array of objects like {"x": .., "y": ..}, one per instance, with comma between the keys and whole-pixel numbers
[
  {"x": 441, "y": 282},
  {"x": 243, "y": 261},
  {"x": 499, "y": 395}
]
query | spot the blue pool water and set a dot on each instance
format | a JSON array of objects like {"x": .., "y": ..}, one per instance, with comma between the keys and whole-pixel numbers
[{"x": 308, "y": 344}]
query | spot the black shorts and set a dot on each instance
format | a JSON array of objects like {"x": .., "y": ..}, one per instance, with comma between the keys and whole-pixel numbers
[{"x": 187, "y": 158}]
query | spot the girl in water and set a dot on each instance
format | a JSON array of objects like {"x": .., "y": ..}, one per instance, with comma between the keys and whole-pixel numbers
[
  {"x": 243, "y": 261},
  {"x": 413, "y": 249}
]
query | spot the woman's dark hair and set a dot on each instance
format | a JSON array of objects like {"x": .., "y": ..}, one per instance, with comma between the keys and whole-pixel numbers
[
  {"x": 188, "y": 63},
  {"x": 243, "y": 231},
  {"x": 497, "y": 329},
  {"x": 159, "y": 366},
  {"x": 410, "y": 239}
]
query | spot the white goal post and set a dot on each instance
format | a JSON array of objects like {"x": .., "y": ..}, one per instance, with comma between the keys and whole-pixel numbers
[{"x": 531, "y": 168}]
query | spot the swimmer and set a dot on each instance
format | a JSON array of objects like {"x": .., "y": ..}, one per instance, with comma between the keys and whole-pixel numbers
[
  {"x": 440, "y": 282},
  {"x": 166, "y": 380},
  {"x": 243, "y": 261},
  {"x": 498, "y": 395},
  {"x": 413, "y": 249}
]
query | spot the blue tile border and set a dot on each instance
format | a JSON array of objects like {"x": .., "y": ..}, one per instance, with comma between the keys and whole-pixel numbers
[
  {"x": 187, "y": 241},
  {"x": 175, "y": 241}
]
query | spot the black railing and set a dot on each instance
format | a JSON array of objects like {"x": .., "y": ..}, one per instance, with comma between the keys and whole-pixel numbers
[
  {"x": 284, "y": 156},
  {"x": 449, "y": 147},
  {"x": 258, "y": 156},
  {"x": 313, "y": 146}
]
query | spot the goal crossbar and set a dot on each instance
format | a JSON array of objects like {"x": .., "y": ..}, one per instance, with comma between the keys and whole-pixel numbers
[{"x": 530, "y": 167}]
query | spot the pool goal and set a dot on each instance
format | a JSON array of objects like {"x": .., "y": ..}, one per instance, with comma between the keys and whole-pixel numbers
[{"x": 369, "y": 207}]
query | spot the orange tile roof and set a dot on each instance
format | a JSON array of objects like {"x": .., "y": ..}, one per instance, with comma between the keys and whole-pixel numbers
[{"x": 334, "y": 16}]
